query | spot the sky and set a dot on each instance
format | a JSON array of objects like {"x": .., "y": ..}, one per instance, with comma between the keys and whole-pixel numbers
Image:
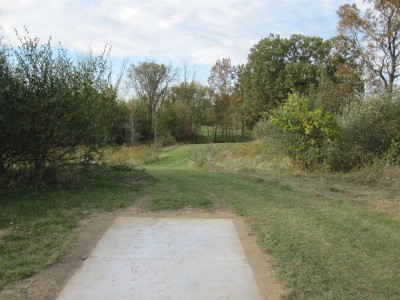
[{"x": 168, "y": 31}]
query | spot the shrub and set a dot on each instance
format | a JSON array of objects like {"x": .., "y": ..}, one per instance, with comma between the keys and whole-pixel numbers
[
  {"x": 201, "y": 156},
  {"x": 307, "y": 134},
  {"x": 165, "y": 139},
  {"x": 372, "y": 125},
  {"x": 52, "y": 106}
]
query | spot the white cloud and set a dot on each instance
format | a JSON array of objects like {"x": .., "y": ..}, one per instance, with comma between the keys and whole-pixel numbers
[{"x": 169, "y": 30}]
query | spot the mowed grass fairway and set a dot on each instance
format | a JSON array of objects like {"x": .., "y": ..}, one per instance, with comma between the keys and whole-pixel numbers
[{"x": 322, "y": 247}]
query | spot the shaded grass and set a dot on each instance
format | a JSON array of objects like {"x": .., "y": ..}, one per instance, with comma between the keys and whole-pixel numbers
[
  {"x": 133, "y": 155},
  {"x": 175, "y": 190},
  {"x": 38, "y": 220}
]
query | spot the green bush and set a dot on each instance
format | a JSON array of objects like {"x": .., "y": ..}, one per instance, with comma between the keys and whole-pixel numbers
[
  {"x": 308, "y": 135},
  {"x": 165, "y": 139},
  {"x": 372, "y": 126},
  {"x": 51, "y": 106}
]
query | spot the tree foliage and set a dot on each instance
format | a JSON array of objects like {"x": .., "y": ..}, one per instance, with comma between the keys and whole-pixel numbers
[
  {"x": 372, "y": 124},
  {"x": 304, "y": 131},
  {"x": 196, "y": 98},
  {"x": 151, "y": 82},
  {"x": 221, "y": 83},
  {"x": 277, "y": 67},
  {"x": 51, "y": 105},
  {"x": 375, "y": 33}
]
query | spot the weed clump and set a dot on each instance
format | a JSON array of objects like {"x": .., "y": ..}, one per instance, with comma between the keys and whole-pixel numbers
[{"x": 202, "y": 156}]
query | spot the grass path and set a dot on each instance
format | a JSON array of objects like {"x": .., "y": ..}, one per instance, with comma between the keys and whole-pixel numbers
[{"x": 323, "y": 248}]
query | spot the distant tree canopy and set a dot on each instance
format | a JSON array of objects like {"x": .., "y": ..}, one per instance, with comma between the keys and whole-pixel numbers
[
  {"x": 194, "y": 99},
  {"x": 276, "y": 67},
  {"x": 326, "y": 71}
]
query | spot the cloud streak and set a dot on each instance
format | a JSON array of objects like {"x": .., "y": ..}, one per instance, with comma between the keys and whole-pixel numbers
[{"x": 169, "y": 30}]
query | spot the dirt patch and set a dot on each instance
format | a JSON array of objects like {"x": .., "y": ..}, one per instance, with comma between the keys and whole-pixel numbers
[{"x": 48, "y": 283}]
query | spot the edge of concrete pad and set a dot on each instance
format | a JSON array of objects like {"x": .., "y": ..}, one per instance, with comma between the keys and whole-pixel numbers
[{"x": 224, "y": 277}]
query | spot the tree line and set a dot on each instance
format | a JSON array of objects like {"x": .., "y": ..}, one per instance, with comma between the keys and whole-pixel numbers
[
  {"x": 315, "y": 99},
  {"x": 350, "y": 117},
  {"x": 237, "y": 97}
]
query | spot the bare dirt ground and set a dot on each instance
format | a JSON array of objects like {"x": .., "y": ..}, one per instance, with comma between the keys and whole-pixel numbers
[{"x": 48, "y": 283}]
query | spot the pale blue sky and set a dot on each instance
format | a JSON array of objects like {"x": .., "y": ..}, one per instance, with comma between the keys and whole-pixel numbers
[{"x": 169, "y": 31}]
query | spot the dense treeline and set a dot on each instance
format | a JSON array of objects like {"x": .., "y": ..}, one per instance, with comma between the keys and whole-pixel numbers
[
  {"x": 330, "y": 104},
  {"x": 351, "y": 115},
  {"x": 237, "y": 97},
  {"x": 165, "y": 110}
]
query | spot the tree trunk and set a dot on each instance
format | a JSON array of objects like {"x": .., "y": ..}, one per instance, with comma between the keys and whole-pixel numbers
[{"x": 215, "y": 132}]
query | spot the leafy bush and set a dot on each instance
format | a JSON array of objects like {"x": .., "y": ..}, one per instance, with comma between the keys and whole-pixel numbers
[
  {"x": 307, "y": 134},
  {"x": 392, "y": 156},
  {"x": 165, "y": 139},
  {"x": 372, "y": 126},
  {"x": 52, "y": 106}
]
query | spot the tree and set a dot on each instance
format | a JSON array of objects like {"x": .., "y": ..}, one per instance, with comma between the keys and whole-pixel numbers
[
  {"x": 340, "y": 78},
  {"x": 176, "y": 120},
  {"x": 221, "y": 82},
  {"x": 53, "y": 106},
  {"x": 11, "y": 122},
  {"x": 137, "y": 121},
  {"x": 196, "y": 97},
  {"x": 151, "y": 82},
  {"x": 375, "y": 33},
  {"x": 277, "y": 67}
]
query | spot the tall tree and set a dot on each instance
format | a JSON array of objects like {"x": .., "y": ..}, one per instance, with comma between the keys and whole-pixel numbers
[
  {"x": 221, "y": 82},
  {"x": 277, "y": 67},
  {"x": 376, "y": 33},
  {"x": 136, "y": 120},
  {"x": 197, "y": 98},
  {"x": 151, "y": 82},
  {"x": 340, "y": 78}
]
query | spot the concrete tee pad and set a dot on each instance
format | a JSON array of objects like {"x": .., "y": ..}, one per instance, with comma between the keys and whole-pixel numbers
[{"x": 165, "y": 258}]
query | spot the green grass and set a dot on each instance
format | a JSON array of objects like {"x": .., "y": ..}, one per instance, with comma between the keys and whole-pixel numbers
[
  {"x": 323, "y": 247},
  {"x": 37, "y": 222},
  {"x": 325, "y": 241},
  {"x": 176, "y": 189}
]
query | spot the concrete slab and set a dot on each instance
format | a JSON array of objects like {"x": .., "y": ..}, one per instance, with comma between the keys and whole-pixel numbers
[{"x": 152, "y": 258}]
